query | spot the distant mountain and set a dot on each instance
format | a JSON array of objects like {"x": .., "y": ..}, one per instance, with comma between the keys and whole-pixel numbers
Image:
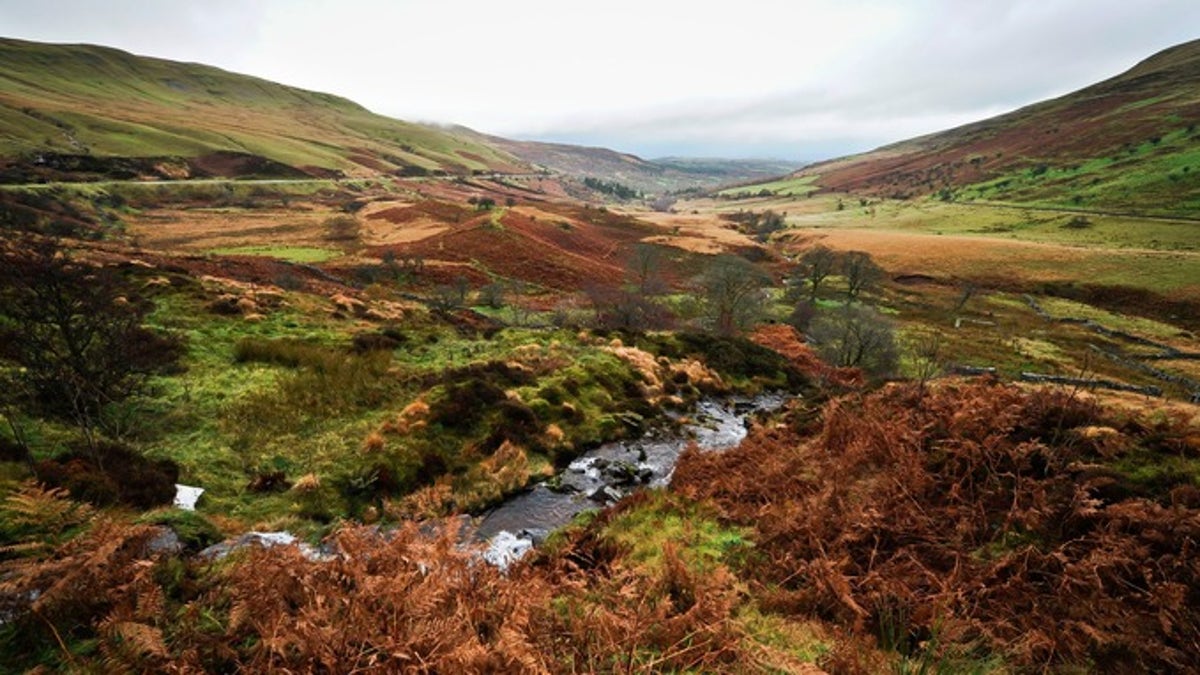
[
  {"x": 1130, "y": 143},
  {"x": 651, "y": 176},
  {"x": 81, "y": 110}
]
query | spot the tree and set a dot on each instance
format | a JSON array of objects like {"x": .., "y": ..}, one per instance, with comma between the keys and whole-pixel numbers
[
  {"x": 966, "y": 291},
  {"x": 452, "y": 296},
  {"x": 861, "y": 273},
  {"x": 814, "y": 266},
  {"x": 644, "y": 269},
  {"x": 734, "y": 295},
  {"x": 626, "y": 309},
  {"x": 493, "y": 295},
  {"x": 857, "y": 337},
  {"x": 924, "y": 354},
  {"x": 76, "y": 334}
]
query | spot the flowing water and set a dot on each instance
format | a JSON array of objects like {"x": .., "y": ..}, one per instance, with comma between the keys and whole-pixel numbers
[
  {"x": 605, "y": 474},
  {"x": 596, "y": 479}
]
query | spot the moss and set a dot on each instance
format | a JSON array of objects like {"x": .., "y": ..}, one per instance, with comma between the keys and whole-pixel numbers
[
  {"x": 661, "y": 518},
  {"x": 194, "y": 530}
]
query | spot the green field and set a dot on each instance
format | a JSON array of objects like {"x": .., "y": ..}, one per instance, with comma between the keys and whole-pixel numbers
[
  {"x": 786, "y": 187},
  {"x": 297, "y": 254},
  {"x": 79, "y": 98}
]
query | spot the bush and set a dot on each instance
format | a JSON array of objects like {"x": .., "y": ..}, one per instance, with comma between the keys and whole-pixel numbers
[
  {"x": 343, "y": 228},
  {"x": 734, "y": 358},
  {"x": 856, "y": 337},
  {"x": 77, "y": 334},
  {"x": 981, "y": 514},
  {"x": 110, "y": 474}
]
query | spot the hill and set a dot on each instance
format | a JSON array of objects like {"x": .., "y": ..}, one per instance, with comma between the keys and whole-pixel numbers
[
  {"x": 651, "y": 176},
  {"x": 1128, "y": 144},
  {"x": 81, "y": 110}
]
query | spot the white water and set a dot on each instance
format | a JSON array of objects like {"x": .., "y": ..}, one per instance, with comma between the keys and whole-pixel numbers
[{"x": 512, "y": 529}]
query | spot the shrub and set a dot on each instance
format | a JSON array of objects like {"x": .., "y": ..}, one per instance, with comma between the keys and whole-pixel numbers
[
  {"x": 982, "y": 514},
  {"x": 109, "y": 474},
  {"x": 856, "y": 337},
  {"x": 77, "y": 333},
  {"x": 341, "y": 228}
]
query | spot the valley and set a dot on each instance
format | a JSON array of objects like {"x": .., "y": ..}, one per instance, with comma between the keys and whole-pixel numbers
[{"x": 981, "y": 451}]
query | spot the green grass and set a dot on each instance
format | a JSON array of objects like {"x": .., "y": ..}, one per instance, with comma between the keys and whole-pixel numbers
[
  {"x": 787, "y": 187},
  {"x": 113, "y": 103},
  {"x": 662, "y": 519},
  {"x": 297, "y": 254},
  {"x": 1153, "y": 178}
]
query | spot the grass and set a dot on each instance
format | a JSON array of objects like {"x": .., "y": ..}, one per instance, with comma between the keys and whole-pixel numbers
[
  {"x": 951, "y": 241},
  {"x": 114, "y": 103},
  {"x": 297, "y": 254},
  {"x": 787, "y": 187},
  {"x": 1154, "y": 177},
  {"x": 663, "y": 519}
]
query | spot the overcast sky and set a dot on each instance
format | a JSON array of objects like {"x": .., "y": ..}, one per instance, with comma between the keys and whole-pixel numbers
[{"x": 794, "y": 79}]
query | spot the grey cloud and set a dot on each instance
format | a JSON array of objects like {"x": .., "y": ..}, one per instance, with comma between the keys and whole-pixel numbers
[{"x": 939, "y": 63}]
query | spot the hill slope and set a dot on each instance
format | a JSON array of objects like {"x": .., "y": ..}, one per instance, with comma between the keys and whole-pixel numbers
[
  {"x": 1126, "y": 144},
  {"x": 97, "y": 103}
]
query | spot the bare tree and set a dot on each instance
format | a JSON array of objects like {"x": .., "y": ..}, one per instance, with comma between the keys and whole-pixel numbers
[
  {"x": 855, "y": 336},
  {"x": 493, "y": 294},
  {"x": 967, "y": 290},
  {"x": 924, "y": 352},
  {"x": 861, "y": 273},
  {"x": 814, "y": 266},
  {"x": 734, "y": 293},
  {"x": 626, "y": 309},
  {"x": 644, "y": 269}
]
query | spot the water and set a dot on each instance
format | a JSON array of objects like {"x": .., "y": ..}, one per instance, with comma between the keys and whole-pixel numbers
[{"x": 603, "y": 475}]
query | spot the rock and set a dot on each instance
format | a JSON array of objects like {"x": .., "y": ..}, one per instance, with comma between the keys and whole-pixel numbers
[
  {"x": 606, "y": 493},
  {"x": 623, "y": 473},
  {"x": 166, "y": 541},
  {"x": 556, "y": 485},
  {"x": 265, "y": 540}
]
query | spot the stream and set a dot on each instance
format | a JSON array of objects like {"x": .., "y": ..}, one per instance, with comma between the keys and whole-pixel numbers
[
  {"x": 598, "y": 478},
  {"x": 607, "y": 473}
]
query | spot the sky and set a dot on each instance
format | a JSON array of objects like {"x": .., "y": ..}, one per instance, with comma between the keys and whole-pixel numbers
[{"x": 799, "y": 79}]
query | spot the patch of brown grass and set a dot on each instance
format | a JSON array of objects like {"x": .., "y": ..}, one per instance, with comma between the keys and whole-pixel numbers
[{"x": 977, "y": 512}]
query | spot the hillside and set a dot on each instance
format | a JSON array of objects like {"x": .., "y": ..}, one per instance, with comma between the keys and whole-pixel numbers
[
  {"x": 1127, "y": 144},
  {"x": 71, "y": 109},
  {"x": 651, "y": 176}
]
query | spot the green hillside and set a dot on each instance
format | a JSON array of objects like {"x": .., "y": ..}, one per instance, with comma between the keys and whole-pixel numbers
[
  {"x": 102, "y": 102},
  {"x": 1129, "y": 144}
]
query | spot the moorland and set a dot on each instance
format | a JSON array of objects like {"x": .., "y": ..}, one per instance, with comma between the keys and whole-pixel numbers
[{"x": 367, "y": 334}]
